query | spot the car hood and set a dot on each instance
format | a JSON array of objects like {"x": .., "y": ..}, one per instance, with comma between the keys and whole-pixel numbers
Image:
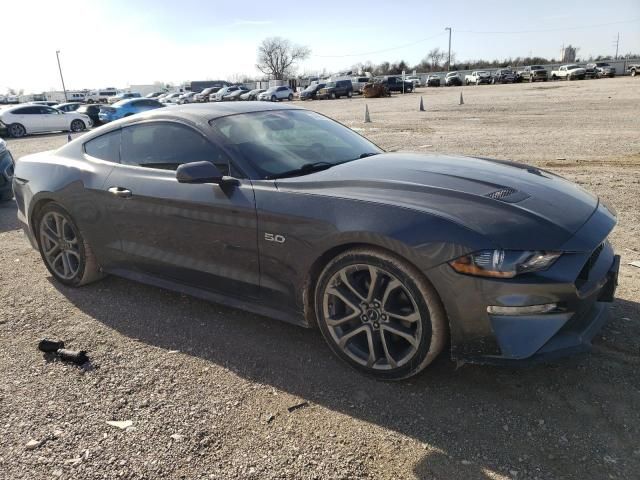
[{"x": 516, "y": 206}]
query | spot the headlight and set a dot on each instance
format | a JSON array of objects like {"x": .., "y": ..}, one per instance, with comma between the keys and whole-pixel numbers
[{"x": 504, "y": 263}]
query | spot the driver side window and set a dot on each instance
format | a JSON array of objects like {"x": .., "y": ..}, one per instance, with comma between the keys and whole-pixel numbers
[{"x": 167, "y": 146}]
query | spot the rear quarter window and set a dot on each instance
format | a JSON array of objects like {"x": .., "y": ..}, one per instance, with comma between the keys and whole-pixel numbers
[{"x": 105, "y": 147}]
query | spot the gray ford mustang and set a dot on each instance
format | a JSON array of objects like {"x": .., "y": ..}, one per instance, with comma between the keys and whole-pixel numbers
[{"x": 281, "y": 211}]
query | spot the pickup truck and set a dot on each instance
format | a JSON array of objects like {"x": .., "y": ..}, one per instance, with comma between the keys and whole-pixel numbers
[
  {"x": 568, "y": 72},
  {"x": 532, "y": 73},
  {"x": 634, "y": 69},
  {"x": 478, "y": 77}
]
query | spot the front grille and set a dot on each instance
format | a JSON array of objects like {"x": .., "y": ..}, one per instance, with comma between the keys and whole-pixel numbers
[{"x": 583, "y": 276}]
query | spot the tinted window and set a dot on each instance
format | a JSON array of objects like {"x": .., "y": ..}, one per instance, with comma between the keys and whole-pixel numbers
[
  {"x": 27, "y": 111},
  {"x": 167, "y": 146},
  {"x": 49, "y": 110},
  {"x": 105, "y": 147}
]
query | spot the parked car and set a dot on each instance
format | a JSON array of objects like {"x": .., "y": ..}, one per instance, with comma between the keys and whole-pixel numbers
[
  {"x": 504, "y": 75},
  {"x": 532, "y": 73},
  {"x": 236, "y": 94},
  {"x": 275, "y": 94},
  {"x": 417, "y": 81},
  {"x": 358, "y": 83},
  {"x": 3, "y": 99},
  {"x": 433, "y": 81},
  {"x": 187, "y": 97},
  {"x": 68, "y": 107},
  {"x": 634, "y": 69},
  {"x": 395, "y": 257},
  {"x": 155, "y": 94},
  {"x": 6, "y": 172},
  {"x": 453, "y": 79},
  {"x": 203, "y": 96},
  {"x": 13, "y": 99},
  {"x": 478, "y": 77},
  {"x": 252, "y": 94},
  {"x": 24, "y": 119},
  {"x": 394, "y": 83},
  {"x": 100, "y": 96},
  {"x": 172, "y": 97},
  {"x": 568, "y": 72},
  {"x": 603, "y": 69},
  {"x": 92, "y": 110},
  {"x": 123, "y": 96},
  {"x": 590, "y": 71},
  {"x": 126, "y": 108},
  {"x": 311, "y": 91},
  {"x": 335, "y": 89}
]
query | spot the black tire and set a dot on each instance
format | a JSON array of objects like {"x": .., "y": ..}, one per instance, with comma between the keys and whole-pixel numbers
[
  {"x": 290, "y": 97},
  {"x": 273, "y": 98},
  {"x": 429, "y": 331},
  {"x": 90, "y": 101},
  {"x": 77, "y": 126},
  {"x": 633, "y": 72},
  {"x": 88, "y": 269},
  {"x": 16, "y": 130},
  {"x": 333, "y": 96},
  {"x": 349, "y": 94}
]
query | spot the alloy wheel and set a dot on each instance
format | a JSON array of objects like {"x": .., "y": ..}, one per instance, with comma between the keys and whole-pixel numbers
[
  {"x": 16, "y": 130},
  {"x": 372, "y": 317},
  {"x": 59, "y": 243},
  {"x": 77, "y": 126}
]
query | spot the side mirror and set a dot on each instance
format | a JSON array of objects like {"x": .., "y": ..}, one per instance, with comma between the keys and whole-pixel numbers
[{"x": 199, "y": 172}]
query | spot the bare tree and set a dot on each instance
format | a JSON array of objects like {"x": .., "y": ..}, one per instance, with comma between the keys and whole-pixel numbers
[
  {"x": 435, "y": 57},
  {"x": 277, "y": 57}
]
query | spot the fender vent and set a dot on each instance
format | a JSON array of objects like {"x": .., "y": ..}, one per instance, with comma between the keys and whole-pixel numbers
[
  {"x": 502, "y": 193},
  {"x": 508, "y": 195}
]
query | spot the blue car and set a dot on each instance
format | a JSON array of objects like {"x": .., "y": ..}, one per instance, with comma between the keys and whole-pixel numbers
[{"x": 125, "y": 108}]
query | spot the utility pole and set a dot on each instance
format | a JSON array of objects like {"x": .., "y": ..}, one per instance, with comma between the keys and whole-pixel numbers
[
  {"x": 449, "y": 61},
  {"x": 64, "y": 89},
  {"x": 617, "y": 45}
]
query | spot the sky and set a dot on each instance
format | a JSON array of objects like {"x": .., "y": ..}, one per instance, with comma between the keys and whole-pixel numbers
[{"x": 120, "y": 43}]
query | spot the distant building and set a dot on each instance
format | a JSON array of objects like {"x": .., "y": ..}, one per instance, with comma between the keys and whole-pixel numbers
[{"x": 569, "y": 54}]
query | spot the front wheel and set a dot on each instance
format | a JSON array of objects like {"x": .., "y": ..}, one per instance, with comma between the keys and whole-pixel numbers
[
  {"x": 77, "y": 126},
  {"x": 379, "y": 314},
  {"x": 273, "y": 98},
  {"x": 633, "y": 73},
  {"x": 16, "y": 130},
  {"x": 64, "y": 250},
  {"x": 290, "y": 97}
]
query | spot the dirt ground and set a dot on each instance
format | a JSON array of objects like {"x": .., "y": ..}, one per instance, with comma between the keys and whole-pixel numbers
[{"x": 208, "y": 388}]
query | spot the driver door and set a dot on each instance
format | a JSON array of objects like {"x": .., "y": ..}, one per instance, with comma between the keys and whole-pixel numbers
[
  {"x": 194, "y": 234},
  {"x": 55, "y": 119}
]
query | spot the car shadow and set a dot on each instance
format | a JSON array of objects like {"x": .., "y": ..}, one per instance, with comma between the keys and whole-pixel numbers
[
  {"x": 8, "y": 216},
  {"x": 474, "y": 421}
]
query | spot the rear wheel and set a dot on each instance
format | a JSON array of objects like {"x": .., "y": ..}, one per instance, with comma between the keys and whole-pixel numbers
[
  {"x": 16, "y": 130},
  {"x": 64, "y": 250},
  {"x": 633, "y": 72},
  {"x": 379, "y": 314}
]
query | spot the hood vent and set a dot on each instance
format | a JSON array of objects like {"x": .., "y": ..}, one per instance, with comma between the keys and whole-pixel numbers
[{"x": 508, "y": 194}]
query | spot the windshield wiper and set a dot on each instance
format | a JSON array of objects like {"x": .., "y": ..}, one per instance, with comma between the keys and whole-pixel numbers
[
  {"x": 368, "y": 154},
  {"x": 303, "y": 170}
]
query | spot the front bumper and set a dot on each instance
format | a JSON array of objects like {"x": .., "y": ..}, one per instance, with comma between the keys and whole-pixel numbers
[{"x": 581, "y": 283}]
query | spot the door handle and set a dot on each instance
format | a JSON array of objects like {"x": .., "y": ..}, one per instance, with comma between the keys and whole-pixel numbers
[{"x": 120, "y": 192}]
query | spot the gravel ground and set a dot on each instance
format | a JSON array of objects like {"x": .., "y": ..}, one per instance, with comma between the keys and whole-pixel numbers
[{"x": 208, "y": 389}]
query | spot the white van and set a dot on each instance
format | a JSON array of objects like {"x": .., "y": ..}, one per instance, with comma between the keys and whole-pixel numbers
[{"x": 100, "y": 96}]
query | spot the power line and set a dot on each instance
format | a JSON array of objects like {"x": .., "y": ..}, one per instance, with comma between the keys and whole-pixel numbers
[
  {"x": 582, "y": 27},
  {"x": 380, "y": 51}
]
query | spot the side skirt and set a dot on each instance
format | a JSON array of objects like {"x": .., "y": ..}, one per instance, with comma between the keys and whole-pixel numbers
[{"x": 247, "y": 305}]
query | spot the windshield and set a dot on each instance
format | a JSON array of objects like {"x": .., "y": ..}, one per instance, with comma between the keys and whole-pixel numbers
[
  {"x": 330, "y": 85},
  {"x": 537, "y": 67},
  {"x": 572, "y": 67},
  {"x": 275, "y": 143}
]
